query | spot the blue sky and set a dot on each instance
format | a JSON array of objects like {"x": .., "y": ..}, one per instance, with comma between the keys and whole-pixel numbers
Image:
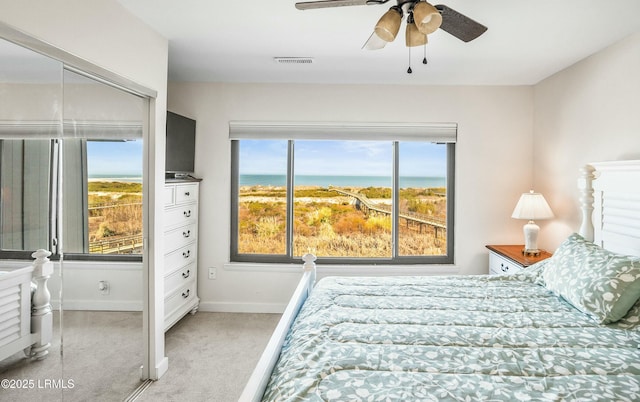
[
  {"x": 330, "y": 158},
  {"x": 106, "y": 158},
  {"x": 342, "y": 158}
]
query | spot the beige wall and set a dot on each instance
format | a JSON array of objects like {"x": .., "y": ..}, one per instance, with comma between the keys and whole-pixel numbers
[
  {"x": 589, "y": 112},
  {"x": 493, "y": 165}
]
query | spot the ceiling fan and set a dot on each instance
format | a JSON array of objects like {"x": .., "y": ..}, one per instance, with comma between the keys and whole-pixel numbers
[{"x": 422, "y": 20}]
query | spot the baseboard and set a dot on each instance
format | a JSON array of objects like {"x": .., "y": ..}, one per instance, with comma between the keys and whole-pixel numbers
[
  {"x": 237, "y": 307},
  {"x": 161, "y": 369},
  {"x": 97, "y": 305}
]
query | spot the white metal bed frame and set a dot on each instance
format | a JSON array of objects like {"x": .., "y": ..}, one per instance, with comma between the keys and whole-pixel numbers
[
  {"x": 610, "y": 207},
  {"x": 26, "y": 319}
]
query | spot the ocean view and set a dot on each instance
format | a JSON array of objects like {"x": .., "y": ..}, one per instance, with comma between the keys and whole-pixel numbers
[
  {"x": 127, "y": 178},
  {"x": 308, "y": 180},
  {"x": 341, "y": 181}
]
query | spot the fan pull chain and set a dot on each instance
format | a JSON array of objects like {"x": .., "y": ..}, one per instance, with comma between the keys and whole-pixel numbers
[
  {"x": 424, "y": 61},
  {"x": 409, "y": 70}
]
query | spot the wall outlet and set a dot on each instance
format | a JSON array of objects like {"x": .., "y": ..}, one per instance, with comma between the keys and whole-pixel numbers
[
  {"x": 103, "y": 287},
  {"x": 212, "y": 273}
]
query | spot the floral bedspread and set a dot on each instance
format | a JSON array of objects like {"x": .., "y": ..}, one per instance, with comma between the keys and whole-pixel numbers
[{"x": 467, "y": 338}]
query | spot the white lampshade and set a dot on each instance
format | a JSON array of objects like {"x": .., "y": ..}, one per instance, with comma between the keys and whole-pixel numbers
[{"x": 532, "y": 206}]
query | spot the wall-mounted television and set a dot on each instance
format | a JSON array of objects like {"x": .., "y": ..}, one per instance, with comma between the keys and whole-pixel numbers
[{"x": 181, "y": 146}]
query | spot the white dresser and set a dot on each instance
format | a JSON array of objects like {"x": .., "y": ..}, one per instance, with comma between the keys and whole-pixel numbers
[{"x": 180, "y": 250}]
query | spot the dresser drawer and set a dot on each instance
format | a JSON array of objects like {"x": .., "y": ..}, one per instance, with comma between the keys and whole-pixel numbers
[
  {"x": 179, "y": 298},
  {"x": 180, "y": 258},
  {"x": 169, "y": 196},
  {"x": 179, "y": 278},
  {"x": 499, "y": 265},
  {"x": 180, "y": 237},
  {"x": 180, "y": 216},
  {"x": 186, "y": 193}
]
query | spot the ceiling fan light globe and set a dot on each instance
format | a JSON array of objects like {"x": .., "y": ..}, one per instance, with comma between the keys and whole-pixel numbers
[
  {"x": 414, "y": 37},
  {"x": 374, "y": 42},
  {"x": 388, "y": 26},
  {"x": 427, "y": 17}
]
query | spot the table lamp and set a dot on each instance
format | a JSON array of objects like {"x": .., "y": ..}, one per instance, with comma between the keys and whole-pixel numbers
[{"x": 531, "y": 206}]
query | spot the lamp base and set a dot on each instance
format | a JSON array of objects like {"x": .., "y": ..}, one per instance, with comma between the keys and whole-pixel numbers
[
  {"x": 530, "y": 253},
  {"x": 531, "y": 238}
]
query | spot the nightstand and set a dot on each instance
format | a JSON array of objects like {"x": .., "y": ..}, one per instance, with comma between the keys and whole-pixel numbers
[{"x": 509, "y": 259}]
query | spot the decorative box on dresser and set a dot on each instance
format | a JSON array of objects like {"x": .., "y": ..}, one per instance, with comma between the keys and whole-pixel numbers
[
  {"x": 509, "y": 259},
  {"x": 181, "y": 250}
]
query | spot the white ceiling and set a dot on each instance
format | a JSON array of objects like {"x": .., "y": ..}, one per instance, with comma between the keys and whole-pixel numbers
[{"x": 236, "y": 41}]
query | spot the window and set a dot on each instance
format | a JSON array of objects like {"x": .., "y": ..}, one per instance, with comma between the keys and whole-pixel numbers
[
  {"x": 348, "y": 200},
  {"x": 114, "y": 192},
  {"x": 102, "y": 208},
  {"x": 72, "y": 183},
  {"x": 102, "y": 195}
]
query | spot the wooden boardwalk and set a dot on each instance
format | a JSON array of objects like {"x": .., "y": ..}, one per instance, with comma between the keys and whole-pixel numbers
[
  {"x": 412, "y": 220},
  {"x": 117, "y": 245}
]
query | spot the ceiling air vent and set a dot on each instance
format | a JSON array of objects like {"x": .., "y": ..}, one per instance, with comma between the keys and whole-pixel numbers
[{"x": 293, "y": 60}]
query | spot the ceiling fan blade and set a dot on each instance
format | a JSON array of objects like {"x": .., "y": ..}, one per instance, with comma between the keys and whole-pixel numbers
[
  {"x": 459, "y": 25},
  {"x": 374, "y": 42},
  {"x": 310, "y": 5}
]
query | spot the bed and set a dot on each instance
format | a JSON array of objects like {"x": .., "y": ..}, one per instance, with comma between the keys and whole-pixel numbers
[
  {"x": 567, "y": 328},
  {"x": 26, "y": 321}
]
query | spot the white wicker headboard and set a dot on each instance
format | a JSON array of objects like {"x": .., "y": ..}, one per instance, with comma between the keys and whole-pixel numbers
[{"x": 610, "y": 203}]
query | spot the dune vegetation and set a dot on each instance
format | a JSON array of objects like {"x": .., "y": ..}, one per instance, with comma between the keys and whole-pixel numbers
[
  {"x": 115, "y": 216},
  {"x": 330, "y": 224}
]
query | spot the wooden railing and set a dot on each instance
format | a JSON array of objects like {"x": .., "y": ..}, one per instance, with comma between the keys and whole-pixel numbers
[
  {"x": 368, "y": 206},
  {"x": 113, "y": 205},
  {"x": 131, "y": 244},
  {"x": 117, "y": 245}
]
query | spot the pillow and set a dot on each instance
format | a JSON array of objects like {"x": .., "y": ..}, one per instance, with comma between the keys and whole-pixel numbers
[
  {"x": 601, "y": 283},
  {"x": 533, "y": 273}
]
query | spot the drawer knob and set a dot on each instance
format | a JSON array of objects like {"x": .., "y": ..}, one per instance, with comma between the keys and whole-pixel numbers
[
  {"x": 186, "y": 294},
  {"x": 187, "y": 233},
  {"x": 187, "y": 193},
  {"x": 187, "y": 213},
  {"x": 186, "y": 254},
  {"x": 504, "y": 268},
  {"x": 185, "y": 275}
]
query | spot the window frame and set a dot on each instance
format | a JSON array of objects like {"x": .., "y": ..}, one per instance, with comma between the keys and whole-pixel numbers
[{"x": 288, "y": 257}]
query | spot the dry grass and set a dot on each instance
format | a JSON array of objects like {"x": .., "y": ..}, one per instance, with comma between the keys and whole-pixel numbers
[
  {"x": 331, "y": 227},
  {"x": 115, "y": 210}
]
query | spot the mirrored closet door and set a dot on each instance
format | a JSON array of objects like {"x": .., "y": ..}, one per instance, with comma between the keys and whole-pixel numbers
[
  {"x": 71, "y": 160},
  {"x": 31, "y": 98}
]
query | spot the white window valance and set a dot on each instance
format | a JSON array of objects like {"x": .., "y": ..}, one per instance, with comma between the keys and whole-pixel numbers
[
  {"x": 103, "y": 130},
  {"x": 93, "y": 130},
  {"x": 433, "y": 132},
  {"x": 21, "y": 130}
]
